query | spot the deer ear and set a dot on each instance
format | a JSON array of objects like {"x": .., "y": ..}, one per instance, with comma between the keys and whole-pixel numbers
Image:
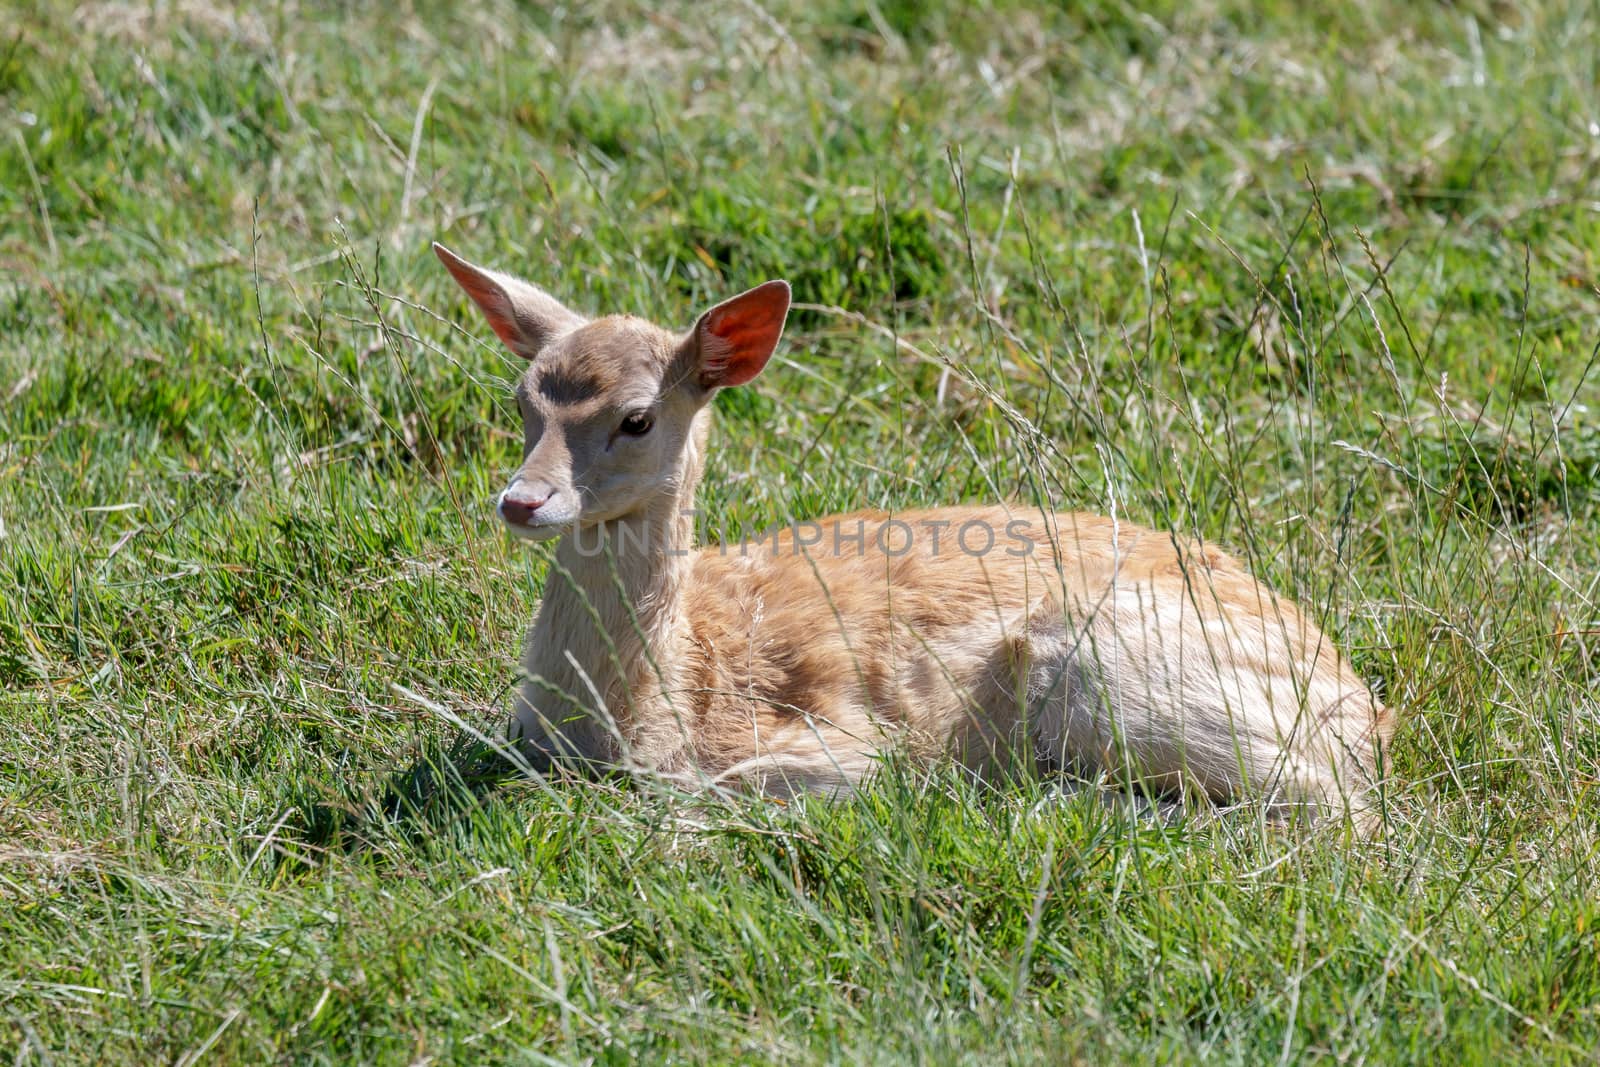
[
  {"x": 733, "y": 341},
  {"x": 524, "y": 316}
]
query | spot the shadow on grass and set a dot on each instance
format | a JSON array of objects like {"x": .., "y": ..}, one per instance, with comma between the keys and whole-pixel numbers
[
  {"x": 453, "y": 777},
  {"x": 444, "y": 786}
]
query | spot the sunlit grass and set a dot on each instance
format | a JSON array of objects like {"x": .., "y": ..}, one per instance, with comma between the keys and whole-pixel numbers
[{"x": 1316, "y": 283}]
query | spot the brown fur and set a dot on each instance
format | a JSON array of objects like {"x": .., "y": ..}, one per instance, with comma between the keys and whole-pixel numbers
[{"x": 1072, "y": 642}]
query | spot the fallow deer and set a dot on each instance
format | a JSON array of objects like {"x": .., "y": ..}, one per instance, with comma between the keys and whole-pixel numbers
[{"x": 1069, "y": 642}]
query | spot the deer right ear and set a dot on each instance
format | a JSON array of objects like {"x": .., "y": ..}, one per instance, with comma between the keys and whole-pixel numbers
[{"x": 524, "y": 316}]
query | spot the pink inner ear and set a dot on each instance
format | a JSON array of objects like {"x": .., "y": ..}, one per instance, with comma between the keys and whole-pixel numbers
[
  {"x": 738, "y": 337},
  {"x": 491, "y": 298},
  {"x": 496, "y": 307}
]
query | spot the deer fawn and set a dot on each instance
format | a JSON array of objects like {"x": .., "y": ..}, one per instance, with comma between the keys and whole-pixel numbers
[{"x": 1017, "y": 640}]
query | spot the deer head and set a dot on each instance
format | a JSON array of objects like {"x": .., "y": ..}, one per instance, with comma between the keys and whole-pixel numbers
[{"x": 614, "y": 408}]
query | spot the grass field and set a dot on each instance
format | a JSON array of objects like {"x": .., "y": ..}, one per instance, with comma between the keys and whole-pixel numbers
[{"x": 1317, "y": 281}]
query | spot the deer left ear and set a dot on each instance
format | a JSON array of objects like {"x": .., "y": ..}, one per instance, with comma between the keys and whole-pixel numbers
[
  {"x": 524, "y": 316},
  {"x": 734, "y": 340}
]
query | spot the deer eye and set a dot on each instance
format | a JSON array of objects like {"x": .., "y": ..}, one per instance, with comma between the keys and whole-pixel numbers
[{"x": 637, "y": 424}]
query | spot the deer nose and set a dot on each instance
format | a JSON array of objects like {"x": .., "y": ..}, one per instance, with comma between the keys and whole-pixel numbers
[{"x": 518, "y": 506}]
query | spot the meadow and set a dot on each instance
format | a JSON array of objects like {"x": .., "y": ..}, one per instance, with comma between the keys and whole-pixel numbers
[{"x": 1314, "y": 281}]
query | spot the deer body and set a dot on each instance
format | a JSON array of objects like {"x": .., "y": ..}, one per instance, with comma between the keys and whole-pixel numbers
[{"x": 1041, "y": 642}]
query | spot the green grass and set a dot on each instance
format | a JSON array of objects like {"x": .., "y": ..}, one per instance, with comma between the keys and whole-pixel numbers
[{"x": 1315, "y": 281}]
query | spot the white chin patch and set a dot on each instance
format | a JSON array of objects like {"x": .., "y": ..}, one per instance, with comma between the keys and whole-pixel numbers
[{"x": 544, "y": 531}]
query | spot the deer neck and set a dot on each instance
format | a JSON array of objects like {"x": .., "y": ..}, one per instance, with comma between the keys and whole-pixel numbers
[
  {"x": 623, "y": 582},
  {"x": 612, "y": 631}
]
